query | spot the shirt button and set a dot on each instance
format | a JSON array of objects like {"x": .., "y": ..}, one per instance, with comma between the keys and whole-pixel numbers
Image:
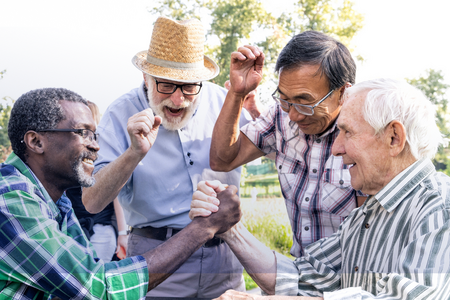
[
  {"x": 356, "y": 269},
  {"x": 279, "y": 167},
  {"x": 306, "y": 228},
  {"x": 341, "y": 182},
  {"x": 189, "y": 154},
  {"x": 307, "y": 199},
  {"x": 314, "y": 171},
  {"x": 367, "y": 225},
  {"x": 318, "y": 141},
  {"x": 191, "y": 162}
]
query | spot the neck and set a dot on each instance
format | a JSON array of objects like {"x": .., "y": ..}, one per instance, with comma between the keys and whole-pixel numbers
[{"x": 52, "y": 189}]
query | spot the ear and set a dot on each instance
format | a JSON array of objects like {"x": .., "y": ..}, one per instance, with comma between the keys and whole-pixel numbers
[
  {"x": 34, "y": 141},
  {"x": 396, "y": 133},
  {"x": 145, "y": 79},
  {"x": 342, "y": 92}
]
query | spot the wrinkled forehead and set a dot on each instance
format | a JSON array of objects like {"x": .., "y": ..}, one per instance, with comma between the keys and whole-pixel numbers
[{"x": 353, "y": 105}]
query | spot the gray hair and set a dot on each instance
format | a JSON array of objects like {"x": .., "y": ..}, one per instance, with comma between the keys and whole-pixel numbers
[
  {"x": 37, "y": 110},
  {"x": 316, "y": 48},
  {"x": 388, "y": 100}
]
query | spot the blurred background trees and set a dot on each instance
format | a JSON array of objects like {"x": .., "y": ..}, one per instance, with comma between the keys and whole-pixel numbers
[
  {"x": 233, "y": 23},
  {"x": 433, "y": 86},
  {"x": 5, "y": 110}
]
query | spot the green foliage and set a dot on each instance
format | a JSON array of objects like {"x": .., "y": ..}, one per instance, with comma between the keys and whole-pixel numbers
[
  {"x": 238, "y": 22},
  {"x": 433, "y": 86},
  {"x": 249, "y": 282},
  {"x": 5, "y": 111}
]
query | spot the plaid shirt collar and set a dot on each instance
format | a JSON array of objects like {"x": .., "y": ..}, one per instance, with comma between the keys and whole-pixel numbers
[{"x": 62, "y": 205}]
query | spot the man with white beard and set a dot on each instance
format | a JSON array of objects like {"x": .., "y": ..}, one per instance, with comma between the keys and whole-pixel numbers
[{"x": 155, "y": 143}]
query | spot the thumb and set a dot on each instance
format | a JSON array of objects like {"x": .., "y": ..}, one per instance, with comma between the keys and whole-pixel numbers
[{"x": 157, "y": 122}]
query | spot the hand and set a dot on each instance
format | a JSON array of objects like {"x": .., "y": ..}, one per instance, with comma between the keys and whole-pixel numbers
[
  {"x": 122, "y": 246},
  {"x": 251, "y": 101},
  {"x": 203, "y": 205},
  {"x": 228, "y": 215},
  {"x": 246, "y": 69},
  {"x": 235, "y": 295},
  {"x": 143, "y": 129}
]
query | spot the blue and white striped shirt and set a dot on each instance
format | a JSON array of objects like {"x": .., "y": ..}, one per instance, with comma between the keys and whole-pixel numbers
[{"x": 396, "y": 245}]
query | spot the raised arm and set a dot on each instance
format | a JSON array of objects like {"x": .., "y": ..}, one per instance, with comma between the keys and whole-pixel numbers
[
  {"x": 142, "y": 128},
  {"x": 229, "y": 148}
]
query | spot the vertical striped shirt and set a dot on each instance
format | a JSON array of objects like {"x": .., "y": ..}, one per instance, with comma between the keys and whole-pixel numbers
[
  {"x": 315, "y": 184},
  {"x": 395, "y": 246},
  {"x": 44, "y": 252}
]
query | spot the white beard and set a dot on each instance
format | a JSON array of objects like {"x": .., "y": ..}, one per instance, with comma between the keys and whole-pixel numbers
[{"x": 172, "y": 123}]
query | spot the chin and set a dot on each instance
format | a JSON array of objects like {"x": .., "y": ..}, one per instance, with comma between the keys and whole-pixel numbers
[{"x": 172, "y": 123}]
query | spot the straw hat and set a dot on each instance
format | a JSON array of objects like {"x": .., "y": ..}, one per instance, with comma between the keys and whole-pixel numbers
[{"x": 176, "y": 52}]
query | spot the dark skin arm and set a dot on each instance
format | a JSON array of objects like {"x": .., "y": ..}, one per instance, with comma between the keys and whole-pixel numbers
[{"x": 169, "y": 256}]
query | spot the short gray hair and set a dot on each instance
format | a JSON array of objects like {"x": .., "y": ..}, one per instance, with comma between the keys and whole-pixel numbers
[{"x": 388, "y": 100}]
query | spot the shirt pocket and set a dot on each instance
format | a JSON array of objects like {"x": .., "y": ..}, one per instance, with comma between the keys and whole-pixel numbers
[
  {"x": 289, "y": 171},
  {"x": 338, "y": 196}
]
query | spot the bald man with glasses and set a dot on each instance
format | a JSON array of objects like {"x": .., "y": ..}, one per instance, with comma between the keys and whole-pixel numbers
[{"x": 314, "y": 71}]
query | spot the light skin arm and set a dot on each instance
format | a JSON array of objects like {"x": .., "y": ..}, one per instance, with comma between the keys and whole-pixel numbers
[
  {"x": 229, "y": 148},
  {"x": 122, "y": 240},
  {"x": 170, "y": 255},
  {"x": 258, "y": 260},
  {"x": 142, "y": 129}
]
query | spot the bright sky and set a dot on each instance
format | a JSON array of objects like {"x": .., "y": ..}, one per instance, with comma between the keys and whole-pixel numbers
[{"x": 87, "y": 45}]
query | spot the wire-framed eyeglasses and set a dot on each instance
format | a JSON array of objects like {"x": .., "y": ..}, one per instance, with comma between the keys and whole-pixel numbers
[
  {"x": 87, "y": 134},
  {"x": 188, "y": 89},
  {"x": 301, "y": 108}
]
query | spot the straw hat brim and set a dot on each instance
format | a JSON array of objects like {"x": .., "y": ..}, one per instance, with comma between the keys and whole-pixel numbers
[{"x": 207, "y": 72}]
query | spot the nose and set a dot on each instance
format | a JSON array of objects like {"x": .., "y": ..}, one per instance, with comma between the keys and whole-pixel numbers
[
  {"x": 295, "y": 116},
  {"x": 93, "y": 145},
  {"x": 338, "y": 146},
  {"x": 177, "y": 97}
]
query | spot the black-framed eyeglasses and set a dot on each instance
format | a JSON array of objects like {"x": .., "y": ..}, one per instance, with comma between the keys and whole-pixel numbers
[
  {"x": 301, "y": 108},
  {"x": 87, "y": 134},
  {"x": 188, "y": 89}
]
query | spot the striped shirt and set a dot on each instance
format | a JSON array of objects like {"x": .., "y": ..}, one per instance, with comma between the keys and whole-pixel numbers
[
  {"x": 395, "y": 246},
  {"x": 44, "y": 253},
  {"x": 315, "y": 184}
]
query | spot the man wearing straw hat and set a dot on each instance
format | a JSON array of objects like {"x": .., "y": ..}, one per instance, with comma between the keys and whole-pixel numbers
[{"x": 154, "y": 169}]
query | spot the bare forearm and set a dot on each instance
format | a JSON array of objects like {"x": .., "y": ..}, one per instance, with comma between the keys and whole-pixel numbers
[
  {"x": 169, "y": 256},
  {"x": 225, "y": 138},
  {"x": 258, "y": 260},
  {"x": 109, "y": 181}
]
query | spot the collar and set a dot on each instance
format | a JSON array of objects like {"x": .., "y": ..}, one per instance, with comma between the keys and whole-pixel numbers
[
  {"x": 402, "y": 185},
  {"x": 16, "y": 162}
]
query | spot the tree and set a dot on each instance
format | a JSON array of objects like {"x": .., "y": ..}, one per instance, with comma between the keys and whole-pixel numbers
[
  {"x": 237, "y": 22},
  {"x": 433, "y": 86},
  {"x": 5, "y": 110}
]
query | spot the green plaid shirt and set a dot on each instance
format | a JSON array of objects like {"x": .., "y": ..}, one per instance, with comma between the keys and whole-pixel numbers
[
  {"x": 44, "y": 252},
  {"x": 395, "y": 246}
]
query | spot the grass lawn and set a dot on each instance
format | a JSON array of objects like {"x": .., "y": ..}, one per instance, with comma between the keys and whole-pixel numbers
[{"x": 267, "y": 220}]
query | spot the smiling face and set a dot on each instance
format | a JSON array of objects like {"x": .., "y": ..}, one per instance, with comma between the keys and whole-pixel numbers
[
  {"x": 305, "y": 85},
  {"x": 175, "y": 109},
  {"x": 69, "y": 158},
  {"x": 368, "y": 155}
]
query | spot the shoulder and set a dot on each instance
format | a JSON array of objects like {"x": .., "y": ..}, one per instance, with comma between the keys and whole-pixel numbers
[
  {"x": 213, "y": 91},
  {"x": 12, "y": 180}
]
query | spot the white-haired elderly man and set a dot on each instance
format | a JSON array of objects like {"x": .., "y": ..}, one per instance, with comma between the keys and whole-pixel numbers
[
  {"x": 155, "y": 169},
  {"x": 397, "y": 244}
]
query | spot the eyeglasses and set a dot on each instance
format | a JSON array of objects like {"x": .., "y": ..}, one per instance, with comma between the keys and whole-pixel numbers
[
  {"x": 189, "y": 89},
  {"x": 87, "y": 134},
  {"x": 301, "y": 108}
]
